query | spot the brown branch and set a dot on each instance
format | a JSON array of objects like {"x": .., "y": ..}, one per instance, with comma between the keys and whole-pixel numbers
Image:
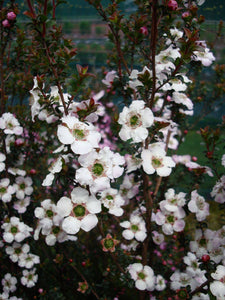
[{"x": 153, "y": 48}]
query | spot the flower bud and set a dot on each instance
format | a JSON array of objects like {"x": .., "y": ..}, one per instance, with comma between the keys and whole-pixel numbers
[
  {"x": 185, "y": 15},
  {"x": 205, "y": 258},
  {"x": 6, "y": 23},
  {"x": 172, "y": 4},
  {"x": 11, "y": 16},
  {"x": 144, "y": 30}
]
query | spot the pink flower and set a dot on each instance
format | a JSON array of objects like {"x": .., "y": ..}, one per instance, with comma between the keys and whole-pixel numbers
[
  {"x": 11, "y": 16},
  {"x": 5, "y": 23},
  {"x": 172, "y": 4},
  {"x": 186, "y": 14},
  {"x": 144, "y": 30}
]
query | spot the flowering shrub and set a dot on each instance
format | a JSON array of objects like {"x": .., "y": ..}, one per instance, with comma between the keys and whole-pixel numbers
[{"x": 96, "y": 201}]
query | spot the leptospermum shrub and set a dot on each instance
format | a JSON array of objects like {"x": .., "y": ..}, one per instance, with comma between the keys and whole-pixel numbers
[{"x": 95, "y": 200}]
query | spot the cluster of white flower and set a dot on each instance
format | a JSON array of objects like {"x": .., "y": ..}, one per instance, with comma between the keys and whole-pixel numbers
[
  {"x": 135, "y": 120},
  {"x": 79, "y": 212},
  {"x": 135, "y": 228},
  {"x": 15, "y": 230},
  {"x": 154, "y": 159},
  {"x": 210, "y": 243},
  {"x": 199, "y": 206},
  {"x": 98, "y": 168},
  {"x": 219, "y": 190},
  {"x": 112, "y": 200},
  {"x": 10, "y": 125},
  {"x": 171, "y": 214},
  {"x": 143, "y": 276}
]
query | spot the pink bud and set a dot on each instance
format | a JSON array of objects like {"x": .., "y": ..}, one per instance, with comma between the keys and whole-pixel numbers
[
  {"x": 205, "y": 258},
  {"x": 172, "y": 4},
  {"x": 144, "y": 30},
  {"x": 194, "y": 158},
  {"x": 5, "y": 23},
  {"x": 40, "y": 291},
  {"x": 33, "y": 172},
  {"x": 19, "y": 142},
  {"x": 186, "y": 14},
  {"x": 168, "y": 98},
  {"x": 185, "y": 131},
  {"x": 11, "y": 16}
]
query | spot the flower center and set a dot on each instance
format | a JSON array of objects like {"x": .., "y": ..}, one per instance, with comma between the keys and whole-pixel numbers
[
  {"x": 79, "y": 134},
  {"x": 22, "y": 186},
  {"x": 170, "y": 219},
  {"x": 134, "y": 228},
  {"x": 2, "y": 190},
  {"x": 18, "y": 250},
  {"x": 97, "y": 169},
  {"x": 134, "y": 121},
  {"x": 141, "y": 275},
  {"x": 56, "y": 230},
  {"x": 30, "y": 277},
  {"x": 156, "y": 162},
  {"x": 200, "y": 203},
  {"x": 108, "y": 243},
  {"x": 173, "y": 201},
  {"x": 79, "y": 211},
  {"x": 14, "y": 229},
  {"x": 49, "y": 213},
  {"x": 109, "y": 197}
]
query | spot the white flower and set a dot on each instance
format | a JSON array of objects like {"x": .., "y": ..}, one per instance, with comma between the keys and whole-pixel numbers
[
  {"x": 223, "y": 160},
  {"x": 217, "y": 287},
  {"x": 9, "y": 283},
  {"x": 219, "y": 190},
  {"x": 82, "y": 137},
  {"x": 112, "y": 200},
  {"x": 198, "y": 206},
  {"x": 174, "y": 201},
  {"x": 98, "y": 168},
  {"x": 176, "y": 33},
  {"x": 6, "y": 190},
  {"x": 23, "y": 187},
  {"x": 27, "y": 260},
  {"x": 47, "y": 214},
  {"x": 170, "y": 220},
  {"x": 2, "y": 164},
  {"x": 21, "y": 205},
  {"x": 143, "y": 276},
  {"x": 135, "y": 228},
  {"x": 110, "y": 76},
  {"x": 135, "y": 120},
  {"x": 160, "y": 283},
  {"x": 193, "y": 264},
  {"x": 10, "y": 124},
  {"x": 15, "y": 230},
  {"x": 29, "y": 278},
  {"x": 163, "y": 59},
  {"x": 35, "y": 105},
  {"x": 158, "y": 238},
  {"x": 16, "y": 250},
  {"x": 181, "y": 98},
  {"x": 180, "y": 279},
  {"x": 205, "y": 57},
  {"x": 155, "y": 160},
  {"x": 79, "y": 211},
  {"x": 129, "y": 188}
]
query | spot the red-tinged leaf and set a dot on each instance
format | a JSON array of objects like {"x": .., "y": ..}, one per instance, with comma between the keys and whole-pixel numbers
[
  {"x": 29, "y": 14},
  {"x": 92, "y": 102},
  {"x": 188, "y": 33},
  {"x": 79, "y": 68}
]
